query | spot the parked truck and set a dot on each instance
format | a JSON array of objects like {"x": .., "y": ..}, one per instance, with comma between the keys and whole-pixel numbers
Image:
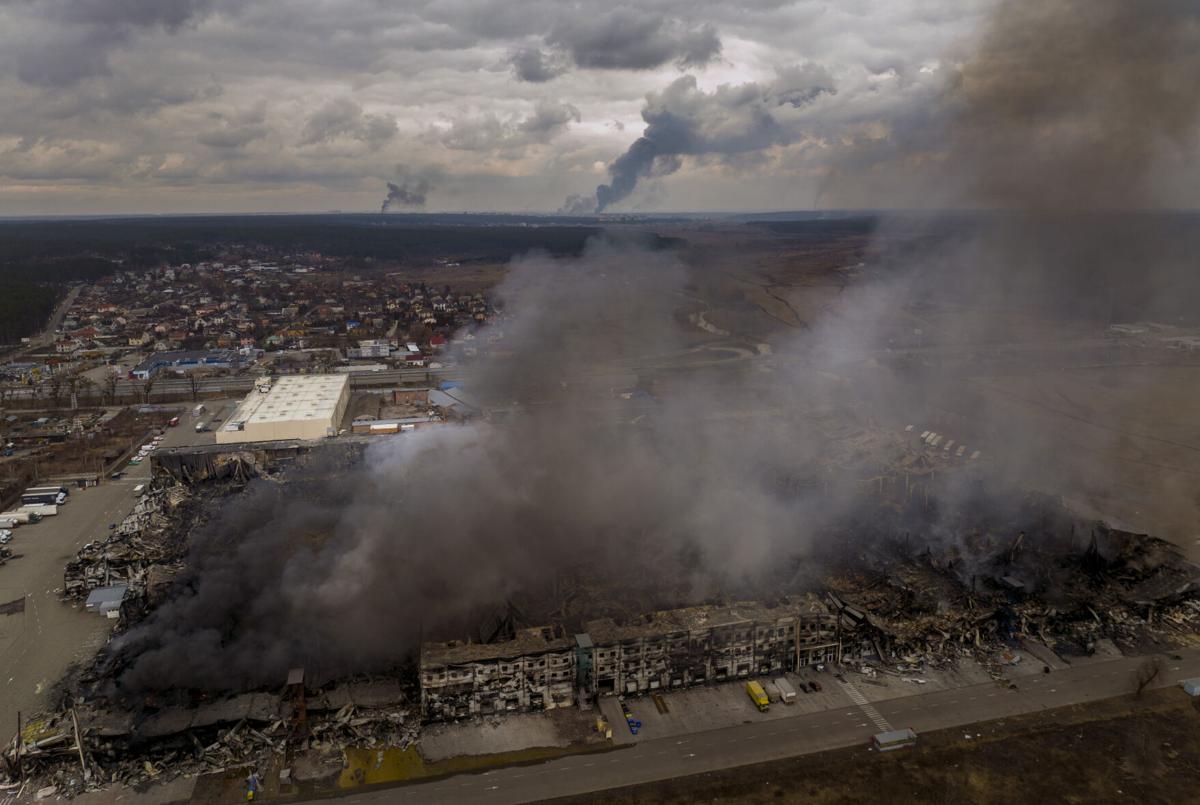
[
  {"x": 40, "y": 509},
  {"x": 52, "y": 495},
  {"x": 757, "y": 695},
  {"x": 24, "y": 517},
  {"x": 787, "y": 694}
]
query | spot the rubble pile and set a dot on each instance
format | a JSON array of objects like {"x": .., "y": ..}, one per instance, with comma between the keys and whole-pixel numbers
[
  {"x": 1041, "y": 575},
  {"x": 96, "y": 743},
  {"x": 151, "y": 537}
]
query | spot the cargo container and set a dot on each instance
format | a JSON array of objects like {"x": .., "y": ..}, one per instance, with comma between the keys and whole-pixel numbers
[
  {"x": 757, "y": 695},
  {"x": 24, "y": 517},
  {"x": 787, "y": 694},
  {"x": 50, "y": 488},
  {"x": 43, "y": 509},
  {"x": 895, "y": 739}
]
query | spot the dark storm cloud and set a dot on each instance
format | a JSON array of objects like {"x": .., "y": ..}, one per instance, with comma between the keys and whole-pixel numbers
[
  {"x": 139, "y": 82},
  {"x": 80, "y": 36},
  {"x": 231, "y": 136},
  {"x": 631, "y": 39},
  {"x": 683, "y": 120},
  {"x": 343, "y": 118},
  {"x": 536, "y": 66},
  {"x": 168, "y": 14},
  {"x": 490, "y": 133}
]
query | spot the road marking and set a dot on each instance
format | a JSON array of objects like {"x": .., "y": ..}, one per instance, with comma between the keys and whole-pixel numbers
[{"x": 867, "y": 708}]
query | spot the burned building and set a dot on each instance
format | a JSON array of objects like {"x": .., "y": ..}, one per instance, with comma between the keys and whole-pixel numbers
[
  {"x": 697, "y": 645},
  {"x": 540, "y": 670},
  {"x": 533, "y": 671}
]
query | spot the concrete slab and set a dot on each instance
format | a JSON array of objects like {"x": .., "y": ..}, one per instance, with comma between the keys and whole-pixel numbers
[{"x": 508, "y": 734}]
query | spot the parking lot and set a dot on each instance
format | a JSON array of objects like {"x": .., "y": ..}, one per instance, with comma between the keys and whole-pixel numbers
[
  {"x": 718, "y": 706},
  {"x": 40, "y": 643}
]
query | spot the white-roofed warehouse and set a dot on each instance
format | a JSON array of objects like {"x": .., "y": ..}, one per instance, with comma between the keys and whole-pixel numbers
[{"x": 295, "y": 407}]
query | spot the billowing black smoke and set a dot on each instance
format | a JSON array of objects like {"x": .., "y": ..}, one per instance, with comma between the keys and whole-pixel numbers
[
  {"x": 411, "y": 189},
  {"x": 672, "y": 499},
  {"x": 684, "y": 121}
]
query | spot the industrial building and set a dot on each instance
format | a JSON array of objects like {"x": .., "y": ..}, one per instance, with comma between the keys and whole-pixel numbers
[
  {"x": 541, "y": 669},
  {"x": 184, "y": 361},
  {"x": 294, "y": 407}
]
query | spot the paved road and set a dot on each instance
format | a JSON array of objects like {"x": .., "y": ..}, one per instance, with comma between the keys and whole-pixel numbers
[{"x": 664, "y": 758}]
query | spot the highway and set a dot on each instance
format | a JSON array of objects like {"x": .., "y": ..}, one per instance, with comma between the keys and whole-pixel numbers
[{"x": 664, "y": 758}]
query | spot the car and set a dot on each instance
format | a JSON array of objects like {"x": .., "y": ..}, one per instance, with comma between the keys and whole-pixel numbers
[
  {"x": 116, "y": 476},
  {"x": 135, "y": 462}
]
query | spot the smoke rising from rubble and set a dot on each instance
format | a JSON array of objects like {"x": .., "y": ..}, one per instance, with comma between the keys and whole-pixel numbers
[
  {"x": 1066, "y": 111},
  {"x": 345, "y": 573},
  {"x": 1064, "y": 130}
]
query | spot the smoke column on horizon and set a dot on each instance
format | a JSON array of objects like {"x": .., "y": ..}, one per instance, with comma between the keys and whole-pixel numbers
[
  {"x": 685, "y": 121},
  {"x": 411, "y": 189}
]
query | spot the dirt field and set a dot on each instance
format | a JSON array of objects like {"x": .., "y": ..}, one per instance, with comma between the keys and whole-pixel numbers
[{"x": 1118, "y": 750}]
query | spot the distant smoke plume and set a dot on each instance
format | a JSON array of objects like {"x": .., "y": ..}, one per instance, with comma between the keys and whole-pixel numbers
[
  {"x": 684, "y": 121},
  {"x": 410, "y": 190}
]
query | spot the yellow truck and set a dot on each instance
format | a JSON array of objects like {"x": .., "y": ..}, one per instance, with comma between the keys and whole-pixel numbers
[{"x": 757, "y": 695}]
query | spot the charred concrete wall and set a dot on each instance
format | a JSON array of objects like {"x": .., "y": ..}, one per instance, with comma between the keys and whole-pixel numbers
[{"x": 541, "y": 669}]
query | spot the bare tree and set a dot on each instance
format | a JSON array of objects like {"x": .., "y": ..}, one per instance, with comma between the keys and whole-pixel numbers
[
  {"x": 196, "y": 379},
  {"x": 55, "y": 383},
  {"x": 110, "y": 387},
  {"x": 86, "y": 387},
  {"x": 1149, "y": 670},
  {"x": 147, "y": 387}
]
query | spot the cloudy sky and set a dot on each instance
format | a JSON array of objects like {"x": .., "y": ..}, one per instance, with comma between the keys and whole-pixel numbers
[{"x": 518, "y": 105}]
